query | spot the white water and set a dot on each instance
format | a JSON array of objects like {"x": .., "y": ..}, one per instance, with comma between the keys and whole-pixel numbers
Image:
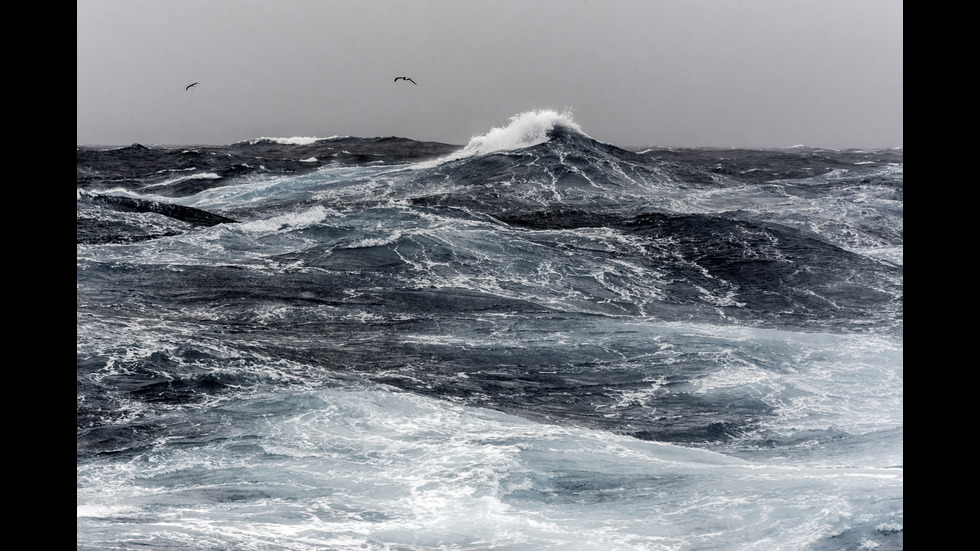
[{"x": 371, "y": 468}]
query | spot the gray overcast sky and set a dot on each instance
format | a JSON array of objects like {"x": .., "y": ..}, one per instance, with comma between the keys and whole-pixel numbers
[{"x": 715, "y": 73}]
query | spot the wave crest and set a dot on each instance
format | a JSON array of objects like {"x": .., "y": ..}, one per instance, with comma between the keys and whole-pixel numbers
[
  {"x": 524, "y": 130},
  {"x": 295, "y": 140}
]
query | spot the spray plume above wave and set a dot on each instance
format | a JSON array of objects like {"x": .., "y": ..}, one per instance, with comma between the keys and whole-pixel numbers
[{"x": 524, "y": 130}]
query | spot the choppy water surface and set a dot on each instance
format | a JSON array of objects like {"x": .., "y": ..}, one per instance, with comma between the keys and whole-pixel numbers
[{"x": 535, "y": 341}]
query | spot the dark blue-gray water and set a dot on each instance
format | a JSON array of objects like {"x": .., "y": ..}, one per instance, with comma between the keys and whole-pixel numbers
[{"x": 535, "y": 341}]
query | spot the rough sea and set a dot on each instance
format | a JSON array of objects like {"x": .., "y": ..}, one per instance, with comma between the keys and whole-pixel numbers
[{"x": 534, "y": 341}]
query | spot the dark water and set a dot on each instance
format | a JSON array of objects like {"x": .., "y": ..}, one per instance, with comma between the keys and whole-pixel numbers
[{"x": 534, "y": 341}]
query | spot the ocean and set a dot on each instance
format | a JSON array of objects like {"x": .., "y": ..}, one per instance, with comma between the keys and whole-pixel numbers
[{"x": 533, "y": 341}]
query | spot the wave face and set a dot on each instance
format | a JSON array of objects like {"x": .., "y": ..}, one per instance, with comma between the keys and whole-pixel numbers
[{"x": 536, "y": 340}]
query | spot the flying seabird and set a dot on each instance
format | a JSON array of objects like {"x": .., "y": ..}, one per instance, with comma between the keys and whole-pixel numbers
[
  {"x": 189, "y": 86},
  {"x": 405, "y": 78}
]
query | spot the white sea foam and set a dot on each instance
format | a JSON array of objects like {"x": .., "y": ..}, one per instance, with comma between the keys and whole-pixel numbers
[
  {"x": 102, "y": 511},
  {"x": 292, "y": 221},
  {"x": 384, "y": 469},
  {"x": 295, "y": 140},
  {"x": 199, "y": 176}
]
